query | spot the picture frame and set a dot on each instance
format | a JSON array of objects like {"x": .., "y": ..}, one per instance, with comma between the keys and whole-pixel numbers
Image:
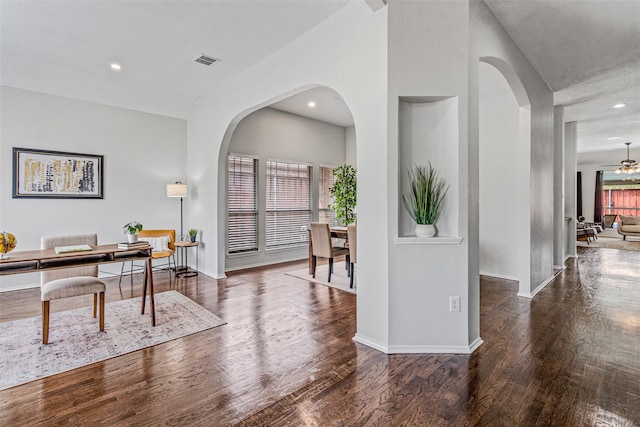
[{"x": 47, "y": 174}]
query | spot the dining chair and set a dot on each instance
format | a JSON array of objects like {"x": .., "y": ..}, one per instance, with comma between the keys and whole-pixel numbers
[
  {"x": 162, "y": 243},
  {"x": 69, "y": 282},
  {"x": 352, "y": 237},
  {"x": 323, "y": 247}
]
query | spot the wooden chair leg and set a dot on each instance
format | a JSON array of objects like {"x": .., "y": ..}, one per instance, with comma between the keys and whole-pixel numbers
[
  {"x": 102, "y": 311},
  {"x": 45, "y": 322},
  {"x": 347, "y": 264},
  {"x": 351, "y": 275},
  {"x": 314, "y": 261},
  {"x": 330, "y": 269},
  {"x": 95, "y": 305}
]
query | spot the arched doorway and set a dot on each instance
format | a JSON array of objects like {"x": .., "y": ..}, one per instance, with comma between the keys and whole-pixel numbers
[
  {"x": 504, "y": 170},
  {"x": 307, "y": 131}
]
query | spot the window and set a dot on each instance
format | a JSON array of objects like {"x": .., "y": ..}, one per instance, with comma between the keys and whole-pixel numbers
[
  {"x": 288, "y": 203},
  {"x": 325, "y": 182},
  {"x": 243, "y": 205}
]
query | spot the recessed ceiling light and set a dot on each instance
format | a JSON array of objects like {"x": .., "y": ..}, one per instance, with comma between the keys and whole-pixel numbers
[
  {"x": 611, "y": 138},
  {"x": 311, "y": 104},
  {"x": 619, "y": 105},
  {"x": 115, "y": 66}
]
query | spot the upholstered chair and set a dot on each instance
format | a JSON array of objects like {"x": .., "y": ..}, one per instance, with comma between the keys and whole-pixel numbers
[
  {"x": 70, "y": 282},
  {"x": 323, "y": 247},
  {"x": 352, "y": 237}
]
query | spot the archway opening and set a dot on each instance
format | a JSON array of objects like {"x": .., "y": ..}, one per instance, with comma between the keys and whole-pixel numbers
[
  {"x": 504, "y": 171},
  {"x": 275, "y": 166}
]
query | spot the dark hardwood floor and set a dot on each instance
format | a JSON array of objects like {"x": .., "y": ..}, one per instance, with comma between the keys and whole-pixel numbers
[{"x": 569, "y": 357}]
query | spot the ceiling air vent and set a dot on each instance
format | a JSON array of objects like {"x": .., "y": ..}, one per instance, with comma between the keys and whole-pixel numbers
[{"x": 206, "y": 59}]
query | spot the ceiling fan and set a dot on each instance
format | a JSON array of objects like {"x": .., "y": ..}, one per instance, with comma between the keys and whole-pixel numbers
[{"x": 629, "y": 166}]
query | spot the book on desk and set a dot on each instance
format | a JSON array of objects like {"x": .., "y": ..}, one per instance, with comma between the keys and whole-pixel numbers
[
  {"x": 72, "y": 248},
  {"x": 136, "y": 245}
]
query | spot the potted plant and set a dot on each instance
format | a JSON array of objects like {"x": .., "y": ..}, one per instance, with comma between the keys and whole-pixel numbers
[
  {"x": 425, "y": 198},
  {"x": 193, "y": 233},
  {"x": 131, "y": 230},
  {"x": 343, "y": 192}
]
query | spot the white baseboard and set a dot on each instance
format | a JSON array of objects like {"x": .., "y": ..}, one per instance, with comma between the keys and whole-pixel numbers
[
  {"x": 499, "y": 276},
  {"x": 20, "y": 287},
  {"x": 370, "y": 343},
  {"x": 431, "y": 349},
  {"x": 559, "y": 267},
  {"x": 539, "y": 288},
  {"x": 262, "y": 264},
  {"x": 418, "y": 349}
]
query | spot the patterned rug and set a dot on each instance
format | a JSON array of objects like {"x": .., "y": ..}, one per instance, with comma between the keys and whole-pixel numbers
[
  {"x": 339, "y": 278},
  {"x": 612, "y": 240},
  {"x": 75, "y": 339}
]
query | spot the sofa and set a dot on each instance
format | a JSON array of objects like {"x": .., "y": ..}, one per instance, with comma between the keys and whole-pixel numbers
[{"x": 628, "y": 226}]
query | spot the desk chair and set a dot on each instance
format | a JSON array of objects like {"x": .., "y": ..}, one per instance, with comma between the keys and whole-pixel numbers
[
  {"x": 323, "y": 247},
  {"x": 163, "y": 244},
  {"x": 353, "y": 251},
  {"x": 69, "y": 282}
]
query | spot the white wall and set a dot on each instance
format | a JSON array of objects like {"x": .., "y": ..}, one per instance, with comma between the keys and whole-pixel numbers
[
  {"x": 142, "y": 153},
  {"x": 351, "y": 149},
  {"x": 489, "y": 40},
  {"x": 354, "y": 39},
  {"x": 429, "y": 58},
  {"x": 500, "y": 184},
  {"x": 270, "y": 134}
]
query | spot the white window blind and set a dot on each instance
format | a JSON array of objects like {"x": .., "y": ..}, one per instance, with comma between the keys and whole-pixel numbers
[
  {"x": 243, "y": 204},
  {"x": 325, "y": 182},
  {"x": 288, "y": 204}
]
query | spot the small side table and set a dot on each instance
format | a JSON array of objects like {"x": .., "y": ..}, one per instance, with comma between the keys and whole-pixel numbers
[{"x": 183, "y": 269}]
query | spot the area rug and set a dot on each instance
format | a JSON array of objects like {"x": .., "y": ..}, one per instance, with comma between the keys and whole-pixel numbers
[
  {"x": 75, "y": 339},
  {"x": 339, "y": 278},
  {"x": 612, "y": 240}
]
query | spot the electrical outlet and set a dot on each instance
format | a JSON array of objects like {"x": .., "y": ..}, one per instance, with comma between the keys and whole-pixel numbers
[{"x": 454, "y": 304}]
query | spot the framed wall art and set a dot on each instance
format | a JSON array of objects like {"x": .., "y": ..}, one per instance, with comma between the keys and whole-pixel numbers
[{"x": 57, "y": 174}]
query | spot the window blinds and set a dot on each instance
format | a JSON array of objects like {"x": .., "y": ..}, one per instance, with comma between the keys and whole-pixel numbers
[
  {"x": 242, "y": 204},
  {"x": 288, "y": 203}
]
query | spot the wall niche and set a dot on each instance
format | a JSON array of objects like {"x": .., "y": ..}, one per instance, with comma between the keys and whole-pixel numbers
[{"x": 428, "y": 132}]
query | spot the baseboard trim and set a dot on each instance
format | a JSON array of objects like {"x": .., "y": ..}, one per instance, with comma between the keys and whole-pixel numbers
[
  {"x": 559, "y": 267},
  {"x": 20, "y": 287},
  {"x": 499, "y": 276},
  {"x": 369, "y": 342},
  {"x": 539, "y": 288},
  {"x": 263, "y": 263},
  {"x": 431, "y": 349}
]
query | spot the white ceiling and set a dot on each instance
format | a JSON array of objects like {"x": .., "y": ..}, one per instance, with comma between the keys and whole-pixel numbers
[
  {"x": 65, "y": 47},
  {"x": 587, "y": 51}
]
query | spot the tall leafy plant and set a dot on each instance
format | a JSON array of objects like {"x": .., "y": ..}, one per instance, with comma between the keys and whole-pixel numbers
[
  {"x": 425, "y": 198},
  {"x": 343, "y": 192}
]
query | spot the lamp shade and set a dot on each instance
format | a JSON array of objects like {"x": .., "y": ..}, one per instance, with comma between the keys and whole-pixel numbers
[{"x": 177, "y": 190}]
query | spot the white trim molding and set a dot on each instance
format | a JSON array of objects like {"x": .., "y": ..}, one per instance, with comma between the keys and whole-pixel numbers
[
  {"x": 369, "y": 342},
  {"x": 539, "y": 288},
  {"x": 431, "y": 349},
  {"x": 419, "y": 349}
]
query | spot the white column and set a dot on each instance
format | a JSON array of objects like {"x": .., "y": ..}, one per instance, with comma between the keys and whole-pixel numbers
[
  {"x": 558, "y": 187},
  {"x": 570, "y": 169}
]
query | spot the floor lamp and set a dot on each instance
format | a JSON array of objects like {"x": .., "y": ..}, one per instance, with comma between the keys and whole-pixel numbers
[{"x": 178, "y": 190}]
